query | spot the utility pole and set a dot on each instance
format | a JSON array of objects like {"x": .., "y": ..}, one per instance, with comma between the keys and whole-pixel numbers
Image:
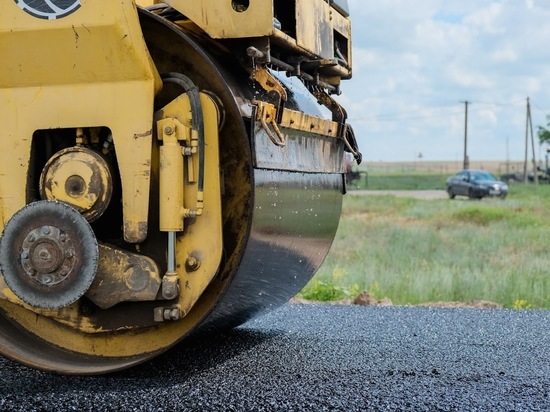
[
  {"x": 529, "y": 125},
  {"x": 466, "y": 164},
  {"x": 535, "y": 173},
  {"x": 507, "y": 154},
  {"x": 525, "y": 159}
]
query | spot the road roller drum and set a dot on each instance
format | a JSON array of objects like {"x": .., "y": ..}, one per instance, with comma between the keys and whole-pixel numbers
[{"x": 167, "y": 172}]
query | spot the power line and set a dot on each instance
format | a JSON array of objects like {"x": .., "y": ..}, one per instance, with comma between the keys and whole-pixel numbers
[
  {"x": 507, "y": 104},
  {"x": 406, "y": 113},
  {"x": 545, "y": 111},
  {"x": 442, "y": 111},
  {"x": 399, "y": 118}
]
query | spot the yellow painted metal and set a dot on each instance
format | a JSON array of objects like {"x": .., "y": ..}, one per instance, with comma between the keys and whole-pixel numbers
[
  {"x": 317, "y": 24},
  {"x": 201, "y": 242},
  {"x": 267, "y": 113},
  {"x": 292, "y": 119},
  {"x": 80, "y": 178},
  {"x": 90, "y": 68},
  {"x": 268, "y": 81},
  {"x": 62, "y": 175},
  {"x": 171, "y": 175},
  {"x": 228, "y": 19},
  {"x": 296, "y": 120},
  {"x": 317, "y": 37},
  {"x": 145, "y": 3}
]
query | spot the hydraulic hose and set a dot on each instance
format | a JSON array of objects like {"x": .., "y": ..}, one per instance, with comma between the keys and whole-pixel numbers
[{"x": 197, "y": 118}]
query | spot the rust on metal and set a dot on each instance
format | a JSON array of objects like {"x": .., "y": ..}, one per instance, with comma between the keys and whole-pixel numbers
[{"x": 123, "y": 276}]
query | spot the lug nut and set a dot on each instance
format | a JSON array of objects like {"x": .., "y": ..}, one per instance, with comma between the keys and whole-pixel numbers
[{"x": 172, "y": 314}]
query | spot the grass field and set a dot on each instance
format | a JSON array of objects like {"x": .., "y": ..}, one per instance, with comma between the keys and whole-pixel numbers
[
  {"x": 414, "y": 251},
  {"x": 420, "y": 175}
]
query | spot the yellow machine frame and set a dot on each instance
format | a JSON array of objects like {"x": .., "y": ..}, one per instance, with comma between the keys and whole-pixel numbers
[
  {"x": 220, "y": 20},
  {"x": 95, "y": 71},
  {"x": 88, "y": 69}
]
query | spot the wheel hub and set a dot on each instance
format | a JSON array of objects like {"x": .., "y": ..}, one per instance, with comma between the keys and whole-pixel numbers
[
  {"x": 48, "y": 254},
  {"x": 80, "y": 178}
]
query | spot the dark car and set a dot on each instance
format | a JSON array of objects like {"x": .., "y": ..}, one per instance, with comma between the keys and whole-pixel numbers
[{"x": 476, "y": 184}]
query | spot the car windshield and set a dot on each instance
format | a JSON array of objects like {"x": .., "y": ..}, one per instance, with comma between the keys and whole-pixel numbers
[{"x": 481, "y": 176}]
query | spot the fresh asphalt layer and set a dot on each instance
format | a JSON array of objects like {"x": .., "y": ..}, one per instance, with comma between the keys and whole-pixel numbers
[{"x": 323, "y": 357}]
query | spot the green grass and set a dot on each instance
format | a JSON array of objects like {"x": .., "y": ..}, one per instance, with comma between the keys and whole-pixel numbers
[
  {"x": 414, "y": 251},
  {"x": 399, "y": 182}
]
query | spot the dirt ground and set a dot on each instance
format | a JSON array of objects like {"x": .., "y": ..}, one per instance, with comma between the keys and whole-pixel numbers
[{"x": 365, "y": 299}]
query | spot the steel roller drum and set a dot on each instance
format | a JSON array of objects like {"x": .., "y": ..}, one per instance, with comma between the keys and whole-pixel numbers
[
  {"x": 280, "y": 207},
  {"x": 294, "y": 196}
]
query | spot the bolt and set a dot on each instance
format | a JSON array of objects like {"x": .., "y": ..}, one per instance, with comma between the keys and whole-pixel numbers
[
  {"x": 168, "y": 130},
  {"x": 46, "y": 230},
  {"x": 45, "y": 255},
  {"x": 192, "y": 264},
  {"x": 169, "y": 291},
  {"x": 172, "y": 314},
  {"x": 175, "y": 314},
  {"x": 32, "y": 238},
  {"x": 24, "y": 255},
  {"x": 69, "y": 253},
  {"x": 46, "y": 280}
]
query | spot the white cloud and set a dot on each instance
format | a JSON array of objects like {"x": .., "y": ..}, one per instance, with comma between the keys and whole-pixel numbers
[
  {"x": 469, "y": 79},
  {"x": 415, "y": 61},
  {"x": 506, "y": 55},
  {"x": 487, "y": 19}
]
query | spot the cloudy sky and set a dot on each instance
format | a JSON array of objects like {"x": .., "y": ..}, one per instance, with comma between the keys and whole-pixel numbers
[{"x": 416, "y": 61}]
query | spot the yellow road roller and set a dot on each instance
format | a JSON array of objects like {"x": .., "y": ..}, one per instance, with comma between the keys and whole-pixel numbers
[{"x": 167, "y": 169}]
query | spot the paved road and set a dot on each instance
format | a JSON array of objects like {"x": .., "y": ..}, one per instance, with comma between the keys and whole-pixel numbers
[
  {"x": 417, "y": 194},
  {"x": 324, "y": 357}
]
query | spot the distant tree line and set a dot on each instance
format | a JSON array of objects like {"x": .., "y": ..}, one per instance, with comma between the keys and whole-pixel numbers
[{"x": 544, "y": 132}]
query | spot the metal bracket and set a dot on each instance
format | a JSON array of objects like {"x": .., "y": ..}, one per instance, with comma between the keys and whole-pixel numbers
[
  {"x": 339, "y": 115},
  {"x": 268, "y": 82},
  {"x": 267, "y": 113},
  {"x": 170, "y": 285},
  {"x": 170, "y": 127}
]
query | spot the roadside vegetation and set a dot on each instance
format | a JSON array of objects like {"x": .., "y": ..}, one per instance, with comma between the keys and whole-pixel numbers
[{"x": 413, "y": 251}]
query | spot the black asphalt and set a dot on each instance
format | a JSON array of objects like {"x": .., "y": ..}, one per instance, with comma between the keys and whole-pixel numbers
[{"x": 324, "y": 357}]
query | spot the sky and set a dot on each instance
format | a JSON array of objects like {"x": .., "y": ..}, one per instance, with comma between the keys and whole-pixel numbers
[{"x": 415, "y": 62}]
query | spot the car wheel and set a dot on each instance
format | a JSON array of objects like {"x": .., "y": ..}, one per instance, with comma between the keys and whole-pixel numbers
[
  {"x": 451, "y": 193},
  {"x": 472, "y": 195}
]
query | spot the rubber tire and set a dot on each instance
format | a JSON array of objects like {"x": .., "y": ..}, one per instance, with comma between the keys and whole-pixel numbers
[{"x": 451, "y": 193}]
